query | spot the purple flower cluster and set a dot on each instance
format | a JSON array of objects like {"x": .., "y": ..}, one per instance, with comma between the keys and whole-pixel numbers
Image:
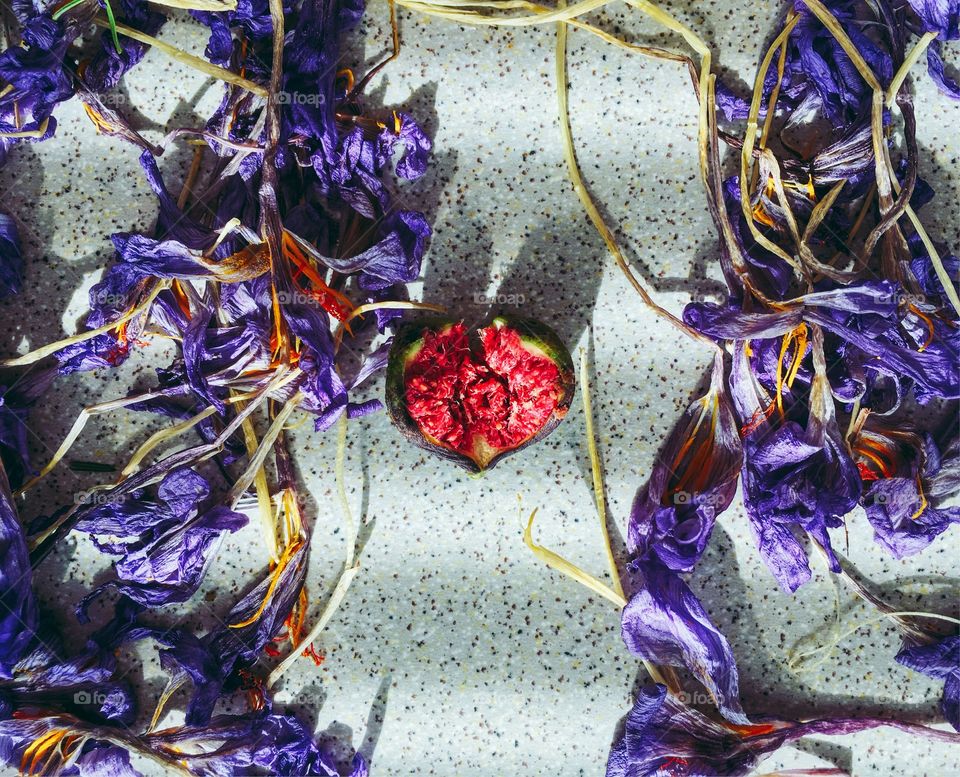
[
  {"x": 257, "y": 271},
  {"x": 837, "y": 332}
]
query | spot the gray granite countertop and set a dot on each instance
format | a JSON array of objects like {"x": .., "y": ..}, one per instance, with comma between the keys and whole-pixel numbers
[{"x": 456, "y": 652}]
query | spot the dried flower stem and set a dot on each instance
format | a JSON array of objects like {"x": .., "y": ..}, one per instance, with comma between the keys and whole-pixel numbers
[
  {"x": 59, "y": 345},
  {"x": 197, "y": 63},
  {"x": 596, "y": 469},
  {"x": 901, "y": 75},
  {"x": 587, "y": 202}
]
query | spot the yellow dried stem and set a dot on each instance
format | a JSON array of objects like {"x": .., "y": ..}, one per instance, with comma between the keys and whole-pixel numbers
[
  {"x": 192, "y": 61},
  {"x": 256, "y": 461},
  {"x": 52, "y": 348},
  {"x": 560, "y": 564},
  {"x": 596, "y": 469},
  {"x": 901, "y": 75}
]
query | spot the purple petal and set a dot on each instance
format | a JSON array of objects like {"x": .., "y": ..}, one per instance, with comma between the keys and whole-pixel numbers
[{"x": 666, "y": 624}]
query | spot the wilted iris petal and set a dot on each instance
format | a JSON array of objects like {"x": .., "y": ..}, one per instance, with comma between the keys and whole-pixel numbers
[
  {"x": 664, "y": 623},
  {"x": 165, "y": 542},
  {"x": 929, "y": 281},
  {"x": 51, "y": 680},
  {"x": 171, "y": 568},
  {"x": 902, "y": 496},
  {"x": 935, "y": 67},
  {"x": 771, "y": 273},
  {"x": 693, "y": 480},
  {"x": 790, "y": 480},
  {"x": 866, "y": 317},
  {"x": 939, "y": 16},
  {"x": 245, "y": 744},
  {"x": 18, "y": 608},
  {"x": 105, "y": 760},
  {"x": 795, "y": 478},
  {"x": 417, "y": 146},
  {"x": 941, "y": 661},
  {"x": 211, "y": 663},
  {"x": 817, "y": 66},
  {"x": 11, "y": 262},
  {"x": 663, "y": 736},
  {"x": 399, "y": 252},
  {"x": 172, "y": 223},
  {"x": 108, "y": 66},
  {"x": 36, "y": 74}
]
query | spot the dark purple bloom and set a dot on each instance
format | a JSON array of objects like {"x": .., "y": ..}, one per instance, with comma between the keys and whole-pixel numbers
[
  {"x": 939, "y": 16},
  {"x": 904, "y": 490},
  {"x": 165, "y": 542},
  {"x": 795, "y": 477},
  {"x": 866, "y": 318},
  {"x": 50, "y": 681},
  {"x": 664, "y": 623},
  {"x": 818, "y": 73},
  {"x": 770, "y": 273},
  {"x": 11, "y": 262},
  {"x": 941, "y": 661},
  {"x": 935, "y": 67},
  {"x": 108, "y": 65},
  {"x": 693, "y": 480},
  {"x": 172, "y": 223},
  {"x": 213, "y": 662},
  {"x": 240, "y": 744},
  {"x": 416, "y": 145},
  {"x": 18, "y": 608},
  {"x": 15, "y": 403},
  {"x": 663, "y": 736},
  {"x": 35, "y": 71}
]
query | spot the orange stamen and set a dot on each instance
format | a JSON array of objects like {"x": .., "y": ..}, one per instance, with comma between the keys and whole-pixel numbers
[
  {"x": 882, "y": 466},
  {"x": 923, "y": 500},
  {"x": 288, "y": 554},
  {"x": 346, "y": 73},
  {"x": 798, "y": 335},
  {"x": 929, "y": 322},
  {"x": 181, "y": 297},
  {"x": 759, "y": 212},
  {"x": 102, "y": 125},
  {"x": 758, "y": 418},
  {"x": 751, "y": 730},
  {"x": 336, "y": 304}
]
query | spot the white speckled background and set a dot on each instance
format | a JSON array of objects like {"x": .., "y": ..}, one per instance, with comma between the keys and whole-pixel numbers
[{"x": 456, "y": 653}]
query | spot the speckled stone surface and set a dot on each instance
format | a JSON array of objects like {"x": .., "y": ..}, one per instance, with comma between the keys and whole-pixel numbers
[{"x": 456, "y": 652}]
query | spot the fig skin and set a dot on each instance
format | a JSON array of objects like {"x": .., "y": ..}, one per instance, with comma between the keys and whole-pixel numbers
[{"x": 406, "y": 345}]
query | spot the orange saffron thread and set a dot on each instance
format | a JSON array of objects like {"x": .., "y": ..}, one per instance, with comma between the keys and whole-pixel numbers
[
  {"x": 929, "y": 322},
  {"x": 923, "y": 500},
  {"x": 288, "y": 554}
]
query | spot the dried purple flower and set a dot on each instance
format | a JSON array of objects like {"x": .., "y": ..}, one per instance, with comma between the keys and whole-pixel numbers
[
  {"x": 663, "y": 736},
  {"x": 941, "y": 661},
  {"x": 665, "y": 623},
  {"x": 693, "y": 480},
  {"x": 165, "y": 542}
]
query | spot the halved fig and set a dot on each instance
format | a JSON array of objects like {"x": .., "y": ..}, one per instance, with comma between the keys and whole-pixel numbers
[{"x": 475, "y": 397}]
